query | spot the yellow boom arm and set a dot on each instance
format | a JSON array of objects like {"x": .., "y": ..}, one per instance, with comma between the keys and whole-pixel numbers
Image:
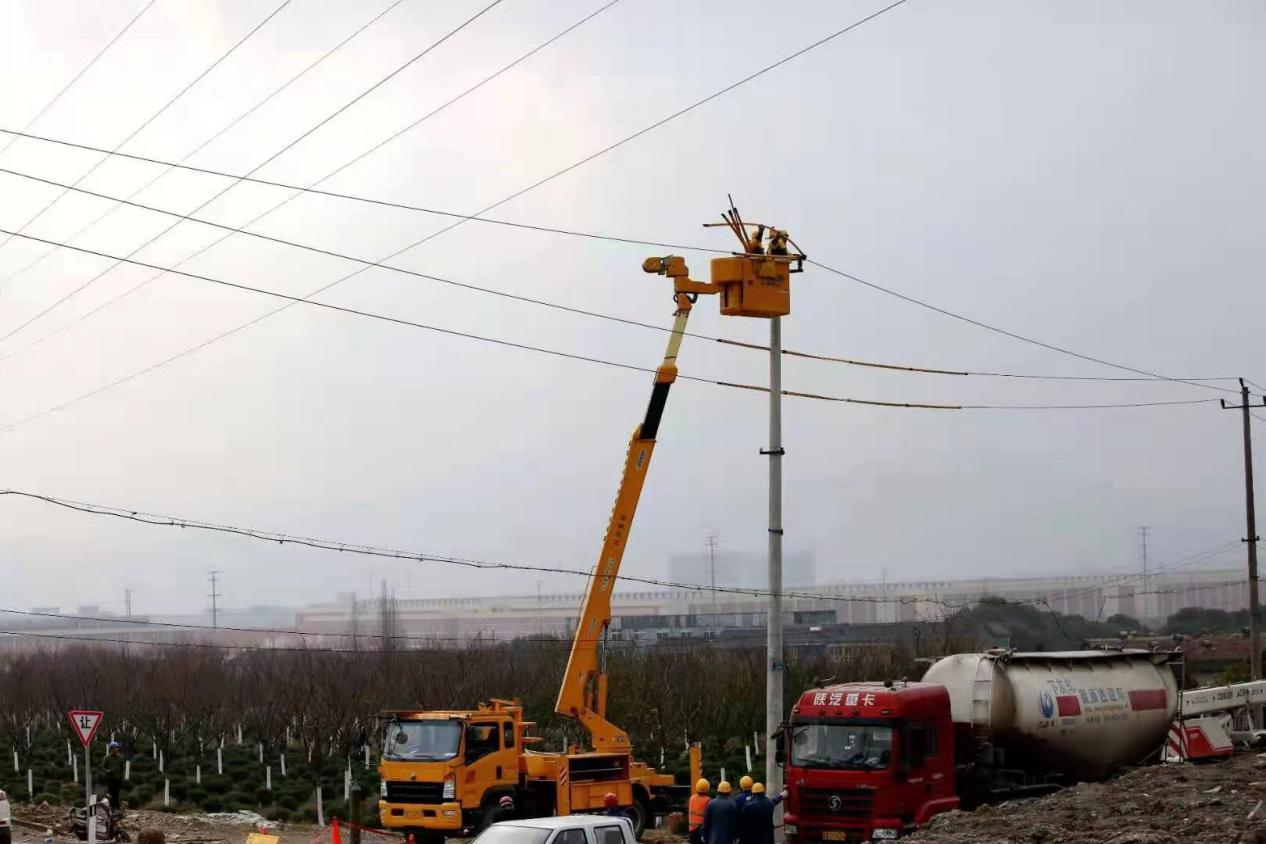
[{"x": 584, "y": 689}]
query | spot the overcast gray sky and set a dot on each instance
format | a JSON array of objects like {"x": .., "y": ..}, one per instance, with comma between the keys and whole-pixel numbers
[{"x": 1086, "y": 173}]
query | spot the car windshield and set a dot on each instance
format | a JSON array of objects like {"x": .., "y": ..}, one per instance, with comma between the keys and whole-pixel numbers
[
  {"x": 433, "y": 741},
  {"x": 866, "y": 746},
  {"x": 505, "y": 833}
]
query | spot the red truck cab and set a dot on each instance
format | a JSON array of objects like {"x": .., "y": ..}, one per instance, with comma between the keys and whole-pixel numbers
[{"x": 867, "y": 761}]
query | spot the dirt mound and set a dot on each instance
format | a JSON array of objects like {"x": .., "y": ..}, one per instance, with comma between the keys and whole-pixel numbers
[{"x": 1171, "y": 804}]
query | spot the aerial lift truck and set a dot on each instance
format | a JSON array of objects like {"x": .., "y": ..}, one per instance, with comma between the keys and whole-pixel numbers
[{"x": 445, "y": 772}]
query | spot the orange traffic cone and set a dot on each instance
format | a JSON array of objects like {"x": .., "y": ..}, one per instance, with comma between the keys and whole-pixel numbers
[{"x": 335, "y": 836}]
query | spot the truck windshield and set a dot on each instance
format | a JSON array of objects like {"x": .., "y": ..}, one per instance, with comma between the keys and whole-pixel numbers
[
  {"x": 432, "y": 741},
  {"x": 864, "y": 746}
]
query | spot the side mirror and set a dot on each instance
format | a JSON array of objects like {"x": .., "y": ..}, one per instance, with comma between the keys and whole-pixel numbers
[{"x": 780, "y": 757}]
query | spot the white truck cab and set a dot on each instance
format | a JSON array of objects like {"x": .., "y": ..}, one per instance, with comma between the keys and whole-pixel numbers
[{"x": 570, "y": 829}]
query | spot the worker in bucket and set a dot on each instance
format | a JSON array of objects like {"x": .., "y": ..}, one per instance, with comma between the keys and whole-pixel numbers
[
  {"x": 720, "y": 819},
  {"x": 114, "y": 764},
  {"x": 745, "y": 792},
  {"x": 697, "y": 807},
  {"x": 756, "y": 819}
]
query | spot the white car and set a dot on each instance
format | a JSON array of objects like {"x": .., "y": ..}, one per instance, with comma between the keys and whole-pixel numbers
[{"x": 572, "y": 829}]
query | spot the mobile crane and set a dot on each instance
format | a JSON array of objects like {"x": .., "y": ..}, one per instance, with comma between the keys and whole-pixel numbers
[{"x": 444, "y": 772}]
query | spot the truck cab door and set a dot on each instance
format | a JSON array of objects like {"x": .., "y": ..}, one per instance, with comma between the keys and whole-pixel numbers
[
  {"x": 927, "y": 768},
  {"x": 487, "y": 761}
]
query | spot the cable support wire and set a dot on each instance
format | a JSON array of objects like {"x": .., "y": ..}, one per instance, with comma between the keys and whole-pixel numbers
[
  {"x": 159, "y": 520},
  {"x": 530, "y": 300},
  {"x": 242, "y": 326},
  {"x": 149, "y": 120},
  {"x": 341, "y": 109},
  {"x": 168, "y": 168},
  {"x": 96, "y": 57},
  {"x": 1013, "y": 335},
  {"x": 294, "y": 300},
  {"x": 270, "y": 210}
]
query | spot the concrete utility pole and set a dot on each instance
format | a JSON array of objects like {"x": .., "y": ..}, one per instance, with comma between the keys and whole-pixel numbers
[
  {"x": 214, "y": 595},
  {"x": 712, "y": 578},
  {"x": 1143, "y": 531},
  {"x": 773, "y": 680},
  {"x": 1254, "y": 619}
]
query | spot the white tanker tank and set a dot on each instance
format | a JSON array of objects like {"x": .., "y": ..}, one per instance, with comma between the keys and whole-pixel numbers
[{"x": 1079, "y": 713}]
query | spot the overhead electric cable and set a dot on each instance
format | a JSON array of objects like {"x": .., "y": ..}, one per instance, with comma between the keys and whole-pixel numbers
[
  {"x": 548, "y": 304},
  {"x": 294, "y": 300},
  {"x": 158, "y": 520},
  {"x": 158, "y": 113},
  {"x": 210, "y": 140},
  {"x": 96, "y": 57},
  {"x": 1013, "y": 335},
  {"x": 340, "y": 110},
  {"x": 537, "y": 228},
  {"x": 428, "y": 115}
]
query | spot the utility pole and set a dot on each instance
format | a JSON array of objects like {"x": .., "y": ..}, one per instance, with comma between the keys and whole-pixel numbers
[
  {"x": 1254, "y": 620},
  {"x": 214, "y": 595},
  {"x": 712, "y": 578},
  {"x": 773, "y": 680},
  {"x": 127, "y": 603},
  {"x": 1143, "y": 531}
]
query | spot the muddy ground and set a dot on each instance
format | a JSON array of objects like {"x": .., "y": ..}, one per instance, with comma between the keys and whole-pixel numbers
[
  {"x": 1181, "y": 804},
  {"x": 1175, "y": 804}
]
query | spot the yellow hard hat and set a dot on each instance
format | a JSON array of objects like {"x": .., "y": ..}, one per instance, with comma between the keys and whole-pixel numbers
[
  {"x": 745, "y": 783},
  {"x": 758, "y": 788},
  {"x": 702, "y": 786},
  {"x": 723, "y": 787}
]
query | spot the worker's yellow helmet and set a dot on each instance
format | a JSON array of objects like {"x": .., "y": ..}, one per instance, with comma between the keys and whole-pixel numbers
[
  {"x": 758, "y": 788},
  {"x": 745, "y": 783},
  {"x": 723, "y": 787},
  {"x": 702, "y": 786}
]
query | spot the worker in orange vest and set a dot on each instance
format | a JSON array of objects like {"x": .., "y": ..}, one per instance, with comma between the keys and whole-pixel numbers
[{"x": 698, "y": 805}]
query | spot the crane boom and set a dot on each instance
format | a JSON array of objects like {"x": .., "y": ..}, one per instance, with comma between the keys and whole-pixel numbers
[{"x": 582, "y": 695}]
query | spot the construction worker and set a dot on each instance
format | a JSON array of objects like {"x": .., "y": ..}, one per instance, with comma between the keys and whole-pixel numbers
[
  {"x": 720, "y": 819},
  {"x": 114, "y": 764},
  {"x": 745, "y": 791},
  {"x": 611, "y": 806},
  {"x": 6, "y": 820},
  {"x": 756, "y": 821},
  {"x": 503, "y": 812},
  {"x": 698, "y": 806}
]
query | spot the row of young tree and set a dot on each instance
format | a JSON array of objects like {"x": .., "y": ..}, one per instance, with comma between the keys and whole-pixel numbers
[{"x": 322, "y": 705}]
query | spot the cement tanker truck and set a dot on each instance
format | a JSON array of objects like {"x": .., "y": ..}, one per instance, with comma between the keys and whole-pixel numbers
[{"x": 874, "y": 761}]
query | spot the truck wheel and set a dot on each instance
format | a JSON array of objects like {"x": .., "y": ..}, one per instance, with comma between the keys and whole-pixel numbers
[{"x": 640, "y": 814}]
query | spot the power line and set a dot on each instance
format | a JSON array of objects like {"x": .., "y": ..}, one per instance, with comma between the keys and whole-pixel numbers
[
  {"x": 433, "y": 112},
  {"x": 294, "y": 300},
  {"x": 511, "y": 224},
  {"x": 56, "y": 97},
  {"x": 159, "y": 520},
  {"x": 223, "y": 129},
  {"x": 583, "y": 161},
  {"x": 1014, "y": 336},
  {"x": 540, "y": 302},
  {"x": 340, "y": 110},
  {"x": 158, "y": 113}
]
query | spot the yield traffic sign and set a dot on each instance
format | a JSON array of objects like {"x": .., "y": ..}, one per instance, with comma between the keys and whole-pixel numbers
[{"x": 85, "y": 722}]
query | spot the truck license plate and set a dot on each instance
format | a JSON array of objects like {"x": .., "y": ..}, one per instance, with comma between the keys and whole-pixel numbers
[{"x": 834, "y": 835}]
